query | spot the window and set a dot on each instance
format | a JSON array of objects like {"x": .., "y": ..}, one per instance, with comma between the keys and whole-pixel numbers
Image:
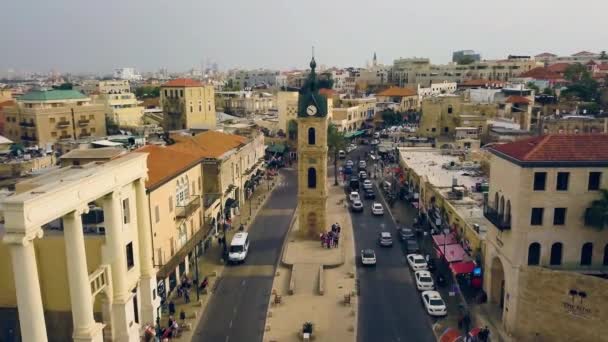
[
  {"x": 450, "y": 109},
  {"x": 594, "y": 180},
  {"x": 130, "y": 260},
  {"x": 199, "y": 183},
  {"x": 556, "y": 254},
  {"x": 559, "y": 216},
  {"x": 537, "y": 216},
  {"x": 587, "y": 254},
  {"x": 433, "y": 129},
  {"x": 312, "y": 178},
  {"x": 156, "y": 214},
  {"x": 166, "y": 93},
  {"x": 534, "y": 254},
  {"x": 53, "y": 134},
  {"x": 52, "y": 120},
  {"x": 126, "y": 213},
  {"x": 311, "y": 136},
  {"x": 446, "y": 129},
  {"x": 170, "y": 204},
  {"x": 91, "y": 117},
  {"x": 540, "y": 179},
  {"x": 605, "y": 262},
  {"x": 193, "y": 189},
  {"x": 181, "y": 93},
  {"x": 562, "y": 181},
  {"x": 92, "y": 129}
]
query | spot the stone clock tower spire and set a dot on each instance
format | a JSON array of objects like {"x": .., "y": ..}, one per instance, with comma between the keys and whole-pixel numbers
[{"x": 312, "y": 157}]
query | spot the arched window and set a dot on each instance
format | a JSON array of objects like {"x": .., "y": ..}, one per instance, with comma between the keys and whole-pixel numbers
[
  {"x": 450, "y": 109},
  {"x": 587, "y": 253},
  {"x": 534, "y": 254},
  {"x": 312, "y": 178},
  {"x": 556, "y": 254},
  {"x": 311, "y": 136},
  {"x": 605, "y": 255},
  {"x": 508, "y": 212}
]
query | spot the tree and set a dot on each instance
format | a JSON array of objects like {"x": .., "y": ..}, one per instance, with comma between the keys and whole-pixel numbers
[
  {"x": 64, "y": 86},
  {"x": 391, "y": 118},
  {"x": 534, "y": 87},
  {"x": 335, "y": 142},
  {"x": 147, "y": 92},
  {"x": 603, "y": 55},
  {"x": 576, "y": 72},
  {"x": 597, "y": 216},
  {"x": 292, "y": 129},
  {"x": 582, "y": 85}
]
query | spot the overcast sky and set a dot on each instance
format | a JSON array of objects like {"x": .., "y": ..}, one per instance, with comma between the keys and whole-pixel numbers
[{"x": 98, "y": 36}]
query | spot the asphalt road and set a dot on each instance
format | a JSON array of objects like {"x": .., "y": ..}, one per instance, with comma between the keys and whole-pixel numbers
[
  {"x": 390, "y": 308},
  {"x": 237, "y": 309}
]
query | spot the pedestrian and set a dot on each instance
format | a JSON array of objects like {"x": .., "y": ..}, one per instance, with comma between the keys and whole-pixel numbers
[
  {"x": 338, "y": 228},
  {"x": 182, "y": 316},
  {"x": 170, "y": 321},
  {"x": 186, "y": 296},
  {"x": 336, "y": 239},
  {"x": 322, "y": 237}
]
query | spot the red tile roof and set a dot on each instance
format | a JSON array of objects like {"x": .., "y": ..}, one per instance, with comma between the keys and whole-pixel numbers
[
  {"x": 541, "y": 73},
  {"x": 165, "y": 164},
  {"x": 210, "y": 144},
  {"x": 558, "y": 67},
  {"x": 545, "y": 54},
  {"x": 603, "y": 67},
  {"x": 583, "y": 53},
  {"x": 480, "y": 83},
  {"x": 398, "y": 92},
  {"x": 183, "y": 82},
  {"x": 557, "y": 148},
  {"x": 517, "y": 99}
]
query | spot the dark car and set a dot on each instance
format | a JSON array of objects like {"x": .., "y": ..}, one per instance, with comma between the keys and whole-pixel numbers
[
  {"x": 406, "y": 234},
  {"x": 369, "y": 194},
  {"x": 412, "y": 246},
  {"x": 354, "y": 184}
]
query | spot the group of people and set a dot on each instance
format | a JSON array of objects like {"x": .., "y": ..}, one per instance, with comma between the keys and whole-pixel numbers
[
  {"x": 332, "y": 237},
  {"x": 183, "y": 290}
]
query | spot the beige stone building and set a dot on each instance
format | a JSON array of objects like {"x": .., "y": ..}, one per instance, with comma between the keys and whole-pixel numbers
[
  {"x": 76, "y": 254},
  {"x": 573, "y": 124},
  {"x": 121, "y": 106},
  {"x": 287, "y": 105},
  {"x": 542, "y": 257},
  {"x": 441, "y": 115},
  {"x": 243, "y": 103},
  {"x": 406, "y": 99},
  {"x": 45, "y": 117},
  {"x": 6, "y": 95},
  {"x": 187, "y": 104},
  {"x": 113, "y": 87}
]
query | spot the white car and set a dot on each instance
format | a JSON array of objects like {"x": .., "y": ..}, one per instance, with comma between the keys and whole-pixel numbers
[
  {"x": 375, "y": 142},
  {"x": 377, "y": 209},
  {"x": 362, "y": 164},
  {"x": 349, "y": 163},
  {"x": 368, "y": 257},
  {"x": 376, "y": 135},
  {"x": 385, "y": 239},
  {"x": 362, "y": 174},
  {"x": 434, "y": 305},
  {"x": 367, "y": 184},
  {"x": 354, "y": 196},
  {"x": 341, "y": 154},
  {"x": 416, "y": 262},
  {"x": 424, "y": 281}
]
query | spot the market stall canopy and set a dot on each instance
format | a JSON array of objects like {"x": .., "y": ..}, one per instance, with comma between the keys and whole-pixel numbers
[
  {"x": 463, "y": 267},
  {"x": 453, "y": 253},
  {"x": 354, "y": 134},
  {"x": 441, "y": 239}
]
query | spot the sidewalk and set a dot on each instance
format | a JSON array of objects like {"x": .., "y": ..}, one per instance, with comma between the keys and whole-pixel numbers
[
  {"x": 318, "y": 296},
  {"x": 211, "y": 265}
]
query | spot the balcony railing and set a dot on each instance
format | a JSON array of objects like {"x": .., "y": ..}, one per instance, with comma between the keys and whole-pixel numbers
[
  {"x": 84, "y": 135},
  {"x": 83, "y": 122},
  {"x": 28, "y": 138},
  {"x": 63, "y": 124},
  {"x": 27, "y": 124},
  {"x": 189, "y": 208},
  {"x": 498, "y": 220},
  {"x": 65, "y": 137}
]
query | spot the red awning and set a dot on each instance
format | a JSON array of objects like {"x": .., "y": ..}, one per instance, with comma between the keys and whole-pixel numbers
[
  {"x": 450, "y": 335},
  {"x": 453, "y": 253},
  {"x": 440, "y": 238},
  {"x": 463, "y": 267}
]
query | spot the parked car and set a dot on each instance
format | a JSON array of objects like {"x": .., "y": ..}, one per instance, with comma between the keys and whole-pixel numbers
[
  {"x": 349, "y": 163},
  {"x": 362, "y": 175},
  {"x": 356, "y": 206},
  {"x": 354, "y": 196},
  {"x": 367, "y": 184},
  {"x": 416, "y": 262},
  {"x": 362, "y": 164},
  {"x": 369, "y": 194},
  {"x": 434, "y": 304},
  {"x": 375, "y": 142},
  {"x": 424, "y": 281},
  {"x": 354, "y": 184},
  {"x": 341, "y": 154},
  {"x": 368, "y": 257},
  {"x": 406, "y": 234},
  {"x": 385, "y": 239},
  {"x": 377, "y": 209},
  {"x": 411, "y": 246}
]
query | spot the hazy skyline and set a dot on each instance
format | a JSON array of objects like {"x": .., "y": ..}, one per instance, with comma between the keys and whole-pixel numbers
[{"x": 84, "y": 36}]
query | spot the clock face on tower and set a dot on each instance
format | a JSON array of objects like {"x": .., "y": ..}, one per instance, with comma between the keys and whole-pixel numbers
[{"x": 311, "y": 110}]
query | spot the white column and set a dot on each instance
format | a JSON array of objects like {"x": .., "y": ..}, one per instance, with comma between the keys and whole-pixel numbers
[
  {"x": 117, "y": 252},
  {"x": 85, "y": 327},
  {"x": 148, "y": 273},
  {"x": 27, "y": 286}
]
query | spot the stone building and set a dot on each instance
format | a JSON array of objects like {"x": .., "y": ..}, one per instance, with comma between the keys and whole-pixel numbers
[
  {"x": 542, "y": 259},
  {"x": 187, "y": 104},
  {"x": 442, "y": 114}
]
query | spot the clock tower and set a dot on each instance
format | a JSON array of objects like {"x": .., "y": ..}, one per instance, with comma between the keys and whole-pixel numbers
[{"x": 312, "y": 157}]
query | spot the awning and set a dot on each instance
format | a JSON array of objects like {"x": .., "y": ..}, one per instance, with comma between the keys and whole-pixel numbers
[
  {"x": 354, "y": 134},
  {"x": 463, "y": 267},
  {"x": 440, "y": 239},
  {"x": 453, "y": 253},
  {"x": 450, "y": 335},
  {"x": 180, "y": 256}
]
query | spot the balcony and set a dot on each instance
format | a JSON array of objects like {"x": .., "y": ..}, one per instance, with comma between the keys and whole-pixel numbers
[
  {"x": 28, "y": 138},
  {"x": 63, "y": 124},
  {"x": 27, "y": 124},
  {"x": 498, "y": 220},
  {"x": 62, "y": 137},
  {"x": 186, "y": 210},
  {"x": 83, "y": 122},
  {"x": 84, "y": 135}
]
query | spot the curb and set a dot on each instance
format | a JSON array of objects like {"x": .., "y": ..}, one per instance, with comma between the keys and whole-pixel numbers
[{"x": 284, "y": 247}]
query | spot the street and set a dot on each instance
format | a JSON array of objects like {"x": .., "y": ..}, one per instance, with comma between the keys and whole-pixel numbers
[
  {"x": 237, "y": 308},
  {"x": 390, "y": 308}
]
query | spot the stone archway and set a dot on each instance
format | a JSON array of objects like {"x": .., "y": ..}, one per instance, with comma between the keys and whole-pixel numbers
[{"x": 497, "y": 283}]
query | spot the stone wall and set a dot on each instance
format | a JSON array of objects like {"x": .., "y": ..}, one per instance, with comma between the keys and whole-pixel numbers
[{"x": 546, "y": 306}]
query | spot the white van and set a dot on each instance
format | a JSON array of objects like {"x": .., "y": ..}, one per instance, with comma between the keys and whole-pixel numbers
[{"x": 239, "y": 246}]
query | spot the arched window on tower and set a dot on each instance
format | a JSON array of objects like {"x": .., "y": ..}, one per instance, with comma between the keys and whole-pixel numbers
[
  {"x": 312, "y": 178},
  {"x": 311, "y": 136}
]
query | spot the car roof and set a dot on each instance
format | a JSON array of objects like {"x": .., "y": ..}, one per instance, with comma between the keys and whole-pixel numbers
[
  {"x": 239, "y": 238},
  {"x": 423, "y": 273},
  {"x": 376, "y": 204},
  {"x": 385, "y": 234},
  {"x": 432, "y": 294},
  {"x": 368, "y": 250},
  {"x": 415, "y": 256}
]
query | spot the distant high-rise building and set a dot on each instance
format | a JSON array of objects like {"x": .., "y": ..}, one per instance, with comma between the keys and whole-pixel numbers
[
  {"x": 458, "y": 56},
  {"x": 128, "y": 74}
]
